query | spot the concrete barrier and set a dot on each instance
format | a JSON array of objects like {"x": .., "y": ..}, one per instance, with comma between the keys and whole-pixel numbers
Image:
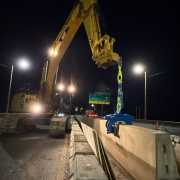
[
  {"x": 176, "y": 144},
  {"x": 145, "y": 153},
  {"x": 83, "y": 162},
  {"x": 8, "y": 123},
  {"x": 13, "y": 122}
]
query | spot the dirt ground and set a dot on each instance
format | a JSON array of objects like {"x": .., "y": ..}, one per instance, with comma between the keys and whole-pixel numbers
[{"x": 34, "y": 156}]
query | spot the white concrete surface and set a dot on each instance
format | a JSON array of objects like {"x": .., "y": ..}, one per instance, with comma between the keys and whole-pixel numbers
[
  {"x": 83, "y": 163},
  {"x": 144, "y": 153}
]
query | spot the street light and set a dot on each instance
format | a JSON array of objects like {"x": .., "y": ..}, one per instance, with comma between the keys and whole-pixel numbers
[
  {"x": 92, "y": 105},
  {"x": 71, "y": 89},
  {"x": 37, "y": 108},
  {"x": 140, "y": 69},
  {"x": 61, "y": 87},
  {"x": 22, "y": 64},
  {"x": 52, "y": 52}
]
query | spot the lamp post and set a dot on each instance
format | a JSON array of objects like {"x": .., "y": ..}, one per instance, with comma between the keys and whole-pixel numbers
[
  {"x": 139, "y": 69},
  {"x": 22, "y": 64},
  {"x": 145, "y": 95},
  {"x": 93, "y": 106},
  {"x": 9, "y": 90},
  {"x": 71, "y": 90},
  {"x": 61, "y": 88}
]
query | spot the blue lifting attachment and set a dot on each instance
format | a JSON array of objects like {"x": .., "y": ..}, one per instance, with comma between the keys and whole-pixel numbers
[
  {"x": 113, "y": 119},
  {"x": 119, "y": 117}
]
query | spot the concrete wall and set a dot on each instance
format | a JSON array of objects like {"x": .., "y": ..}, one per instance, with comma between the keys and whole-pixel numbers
[
  {"x": 9, "y": 122},
  {"x": 83, "y": 163},
  {"x": 176, "y": 144},
  {"x": 146, "y": 154}
]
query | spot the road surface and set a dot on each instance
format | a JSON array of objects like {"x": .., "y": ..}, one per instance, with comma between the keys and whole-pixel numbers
[{"x": 33, "y": 156}]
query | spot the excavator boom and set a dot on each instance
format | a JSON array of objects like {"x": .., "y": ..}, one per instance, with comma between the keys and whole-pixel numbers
[{"x": 85, "y": 11}]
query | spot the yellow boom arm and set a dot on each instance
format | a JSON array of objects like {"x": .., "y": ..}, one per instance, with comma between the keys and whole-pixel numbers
[{"x": 101, "y": 46}]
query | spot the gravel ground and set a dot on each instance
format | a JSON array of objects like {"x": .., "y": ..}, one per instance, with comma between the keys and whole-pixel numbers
[{"x": 34, "y": 156}]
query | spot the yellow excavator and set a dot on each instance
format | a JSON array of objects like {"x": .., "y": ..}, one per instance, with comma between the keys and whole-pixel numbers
[{"x": 84, "y": 12}]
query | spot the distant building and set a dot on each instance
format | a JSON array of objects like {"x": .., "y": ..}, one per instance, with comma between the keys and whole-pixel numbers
[{"x": 22, "y": 101}]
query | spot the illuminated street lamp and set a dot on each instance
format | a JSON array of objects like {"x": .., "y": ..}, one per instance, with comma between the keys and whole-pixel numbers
[
  {"x": 61, "y": 87},
  {"x": 37, "y": 108},
  {"x": 93, "y": 106},
  {"x": 22, "y": 64},
  {"x": 52, "y": 52},
  {"x": 71, "y": 89},
  {"x": 140, "y": 69}
]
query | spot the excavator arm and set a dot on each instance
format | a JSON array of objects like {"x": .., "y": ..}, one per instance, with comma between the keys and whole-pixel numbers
[
  {"x": 85, "y": 11},
  {"x": 101, "y": 46}
]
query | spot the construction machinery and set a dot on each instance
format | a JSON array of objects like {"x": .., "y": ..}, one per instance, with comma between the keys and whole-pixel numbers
[
  {"x": 22, "y": 102},
  {"x": 101, "y": 45},
  {"x": 84, "y": 12}
]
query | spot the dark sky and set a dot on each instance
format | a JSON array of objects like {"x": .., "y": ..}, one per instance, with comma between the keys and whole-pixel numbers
[{"x": 145, "y": 31}]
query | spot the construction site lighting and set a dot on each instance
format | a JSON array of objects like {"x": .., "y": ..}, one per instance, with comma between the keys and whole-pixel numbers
[
  {"x": 138, "y": 69},
  {"x": 23, "y": 64},
  {"x": 37, "y": 108},
  {"x": 71, "y": 89},
  {"x": 61, "y": 87},
  {"x": 52, "y": 52}
]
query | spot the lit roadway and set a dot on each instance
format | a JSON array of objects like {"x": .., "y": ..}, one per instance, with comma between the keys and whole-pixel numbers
[{"x": 33, "y": 156}]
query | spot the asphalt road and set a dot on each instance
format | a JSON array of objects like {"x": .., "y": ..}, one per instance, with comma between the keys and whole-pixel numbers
[{"x": 33, "y": 156}]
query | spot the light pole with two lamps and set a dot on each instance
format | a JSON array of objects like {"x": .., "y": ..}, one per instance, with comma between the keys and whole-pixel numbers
[
  {"x": 61, "y": 88},
  {"x": 71, "y": 90}
]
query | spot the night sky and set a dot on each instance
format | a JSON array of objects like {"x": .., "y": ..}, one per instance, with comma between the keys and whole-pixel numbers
[{"x": 145, "y": 31}]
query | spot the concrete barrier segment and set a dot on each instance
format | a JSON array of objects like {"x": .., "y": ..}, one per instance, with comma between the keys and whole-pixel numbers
[
  {"x": 83, "y": 162},
  {"x": 144, "y": 153}
]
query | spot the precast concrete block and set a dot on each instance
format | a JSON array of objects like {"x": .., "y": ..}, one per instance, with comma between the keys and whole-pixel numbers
[
  {"x": 86, "y": 167},
  {"x": 145, "y": 153},
  {"x": 166, "y": 166},
  {"x": 79, "y": 138},
  {"x": 82, "y": 148},
  {"x": 82, "y": 162}
]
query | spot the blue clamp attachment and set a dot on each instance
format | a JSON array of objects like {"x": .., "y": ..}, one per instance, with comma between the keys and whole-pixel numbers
[{"x": 115, "y": 118}]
